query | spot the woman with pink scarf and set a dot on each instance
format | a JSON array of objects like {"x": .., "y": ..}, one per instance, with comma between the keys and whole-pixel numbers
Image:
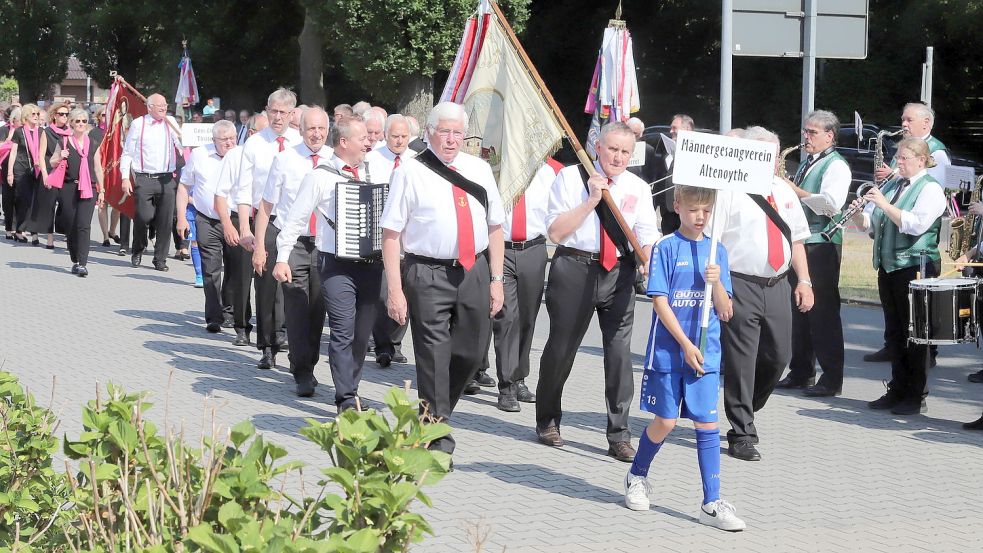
[
  {"x": 54, "y": 140},
  {"x": 83, "y": 190},
  {"x": 24, "y": 166},
  {"x": 7, "y": 191}
]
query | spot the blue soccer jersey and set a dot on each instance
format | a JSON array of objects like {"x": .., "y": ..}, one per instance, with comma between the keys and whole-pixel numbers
[{"x": 676, "y": 272}]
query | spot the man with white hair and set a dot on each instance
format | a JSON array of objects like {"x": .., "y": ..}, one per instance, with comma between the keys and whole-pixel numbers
[
  {"x": 644, "y": 166},
  {"x": 360, "y": 108},
  {"x": 375, "y": 123},
  {"x": 593, "y": 270},
  {"x": 416, "y": 141},
  {"x": 341, "y": 111},
  {"x": 350, "y": 287},
  {"x": 254, "y": 170},
  {"x": 388, "y": 335},
  {"x": 453, "y": 264},
  {"x": 303, "y": 304},
  {"x": 202, "y": 224},
  {"x": 764, "y": 241},
  {"x": 150, "y": 151}
]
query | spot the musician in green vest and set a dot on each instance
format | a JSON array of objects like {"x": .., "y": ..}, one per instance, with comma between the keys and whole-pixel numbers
[
  {"x": 823, "y": 180},
  {"x": 905, "y": 216}
]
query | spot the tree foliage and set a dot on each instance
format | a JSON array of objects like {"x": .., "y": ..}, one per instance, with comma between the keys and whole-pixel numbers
[{"x": 33, "y": 45}]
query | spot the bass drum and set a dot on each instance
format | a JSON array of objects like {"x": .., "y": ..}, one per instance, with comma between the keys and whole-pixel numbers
[{"x": 943, "y": 311}]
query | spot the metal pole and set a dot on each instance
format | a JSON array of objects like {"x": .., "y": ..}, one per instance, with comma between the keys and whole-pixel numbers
[
  {"x": 927, "y": 76},
  {"x": 809, "y": 59},
  {"x": 726, "y": 63}
]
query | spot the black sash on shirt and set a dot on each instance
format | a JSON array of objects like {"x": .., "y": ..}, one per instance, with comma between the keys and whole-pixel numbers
[
  {"x": 478, "y": 192},
  {"x": 607, "y": 219}
]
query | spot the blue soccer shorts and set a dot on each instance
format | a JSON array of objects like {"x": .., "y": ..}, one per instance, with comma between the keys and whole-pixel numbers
[{"x": 681, "y": 395}]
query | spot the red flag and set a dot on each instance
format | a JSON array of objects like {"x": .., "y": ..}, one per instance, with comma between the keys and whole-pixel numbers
[{"x": 124, "y": 105}]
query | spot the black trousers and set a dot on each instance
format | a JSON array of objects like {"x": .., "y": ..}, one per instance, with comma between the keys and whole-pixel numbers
[
  {"x": 7, "y": 194},
  {"x": 756, "y": 346},
  {"x": 25, "y": 185},
  {"x": 351, "y": 295},
  {"x": 42, "y": 217},
  {"x": 303, "y": 308},
  {"x": 125, "y": 224},
  {"x": 239, "y": 271},
  {"x": 155, "y": 201},
  {"x": 212, "y": 248},
  {"x": 576, "y": 290},
  {"x": 270, "y": 323},
  {"x": 76, "y": 219},
  {"x": 448, "y": 309},
  {"x": 818, "y": 333},
  {"x": 386, "y": 333},
  {"x": 909, "y": 367},
  {"x": 513, "y": 327}
]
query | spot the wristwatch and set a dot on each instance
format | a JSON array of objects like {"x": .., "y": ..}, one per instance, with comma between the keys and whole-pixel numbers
[{"x": 498, "y": 278}]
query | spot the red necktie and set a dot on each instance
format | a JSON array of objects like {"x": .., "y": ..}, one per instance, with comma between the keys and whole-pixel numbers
[
  {"x": 519, "y": 220},
  {"x": 396, "y": 162},
  {"x": 609, "y": 253},
  {"x": 352, "y": 170},
  {"x": 312, "y": 224},
  {"x": 279, "y": 140},
  {"x": 776, "y": 253},
  {"x": 465, "y": 228}
]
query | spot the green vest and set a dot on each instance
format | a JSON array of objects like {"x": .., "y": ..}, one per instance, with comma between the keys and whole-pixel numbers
[
  {"x": 812, "y": 184},
  {"x": 934, "y": 145},
  {"x": 894, "y": 250}
]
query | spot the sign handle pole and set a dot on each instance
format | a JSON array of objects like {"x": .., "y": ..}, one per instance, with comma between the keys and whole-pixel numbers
[
  {"x": 808, "y": 63},
  {"x": 708, "y": 288},
  {"x": 726, "y": 63}
]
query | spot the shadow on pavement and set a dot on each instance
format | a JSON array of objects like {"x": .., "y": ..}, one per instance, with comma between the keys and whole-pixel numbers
[{"x": 21, "y": 265}]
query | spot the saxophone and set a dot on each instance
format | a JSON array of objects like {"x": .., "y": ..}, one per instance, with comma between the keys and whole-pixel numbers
[
  {"x": 961, "y": 228},
  {"x": 782, "y": 157}
]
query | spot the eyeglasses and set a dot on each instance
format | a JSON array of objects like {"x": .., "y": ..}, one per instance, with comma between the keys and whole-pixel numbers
[
  {"x": 226, "y": 139},
  {"x": 905, "y": 158},
  {"x": 811, "y": 132},
  {"x": 61, "y": 113},
  {"x": 278, "y": 112},
  {"x": 444, "y": 133},
  {"x": 80, "y": 121}
]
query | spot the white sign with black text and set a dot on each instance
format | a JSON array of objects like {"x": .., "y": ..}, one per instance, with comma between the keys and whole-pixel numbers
[
  {"x": 196, "y": 134},
  {"x": 724, "y": 162},
  {"x": 638, "y": 155}
]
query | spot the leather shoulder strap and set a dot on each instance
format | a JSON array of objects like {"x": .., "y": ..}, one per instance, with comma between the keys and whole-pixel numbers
[
  {"x": 607, "y": 219},
  {"x": 774, "y": 216},
  {"x": 473, "y": 189}
]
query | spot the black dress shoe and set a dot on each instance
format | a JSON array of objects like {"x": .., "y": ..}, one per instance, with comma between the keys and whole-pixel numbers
[
  {"x": 35, "y": 242},
  {"x": 976, "y": 377},
  {"x": 52, "y": 246},
  {"x": 910, "y": 407},
  {"x": 472, "y": 388},
  {"x": 162, "y": 267},
  {"x": 745, "y": 451},
  {"x": 507, "y": 403},
  {"x": 241, "y": 339},
  {"x": 121, "y": 252},
  {"x": 115, "y": 238},
  {"x": 228, "y": 322},
  {"x": 398, "y": 357},
  {"x": 136, "y": 259},
  {"x": 83, "y": 272},
  {"x": 791, "y": 383},
  {"x": 886, "y": 401},
  {"x": 213, "y": 327},
  {"x": 523, "y": 394},
  {"x": 267, "y": 361},
  {"x": 75, "y": 269},
  {"x": 622, "y": 451},
  {"x": 484, "y": 380},
  {"x": 975, "y": 425},
  {"x": 384, "y": 359},
  {"x": 105, "y": 243},
  {"x": 306, "y": 389},
  {"x": 878, "y": 356},
  {"x": 549, "y": 436},
  {"x": 821, "y": 390}
]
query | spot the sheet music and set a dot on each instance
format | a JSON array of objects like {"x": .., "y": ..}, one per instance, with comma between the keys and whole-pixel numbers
[{"x": 820, "y": 205}]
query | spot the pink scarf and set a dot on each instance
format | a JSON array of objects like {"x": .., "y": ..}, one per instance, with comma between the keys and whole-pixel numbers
[
  {"x": 85, "y": 178},
  {"x": 33, "y": 141}
]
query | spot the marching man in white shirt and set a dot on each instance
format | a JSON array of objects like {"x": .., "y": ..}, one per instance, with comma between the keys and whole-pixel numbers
[
  {"x": 350, "y": 286},
  {"x": 594, "y": 270},
  {"x": 150, "y": 151},
  {"x": 254, "y": 170},
  {"x": 445, "y": 208},
  {"x": 199, "y": 179}
]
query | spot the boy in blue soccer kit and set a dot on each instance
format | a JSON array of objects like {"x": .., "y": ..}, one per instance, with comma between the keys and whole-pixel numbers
[{"x": 678, "y": 379}]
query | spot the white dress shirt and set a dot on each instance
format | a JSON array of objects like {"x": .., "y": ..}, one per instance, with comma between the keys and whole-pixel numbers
[
  {"x": 286, "y": 174},
  {"x": 835, "y": 184},
  {"x": 929, "y": 206},
  {"x": 421, "y": 207},
  {"x": 257, "y": 158},
  {"x": 149, "y": 147},
  {"x": 382, "y": 160},
  {"x": 228, "y": 175},
  {"x": 743, "y": 228},
  {"x": 200, "y": 175},
  {"x": 537, "y": 199},
  {"x": 316, "y": 192},
  {"x": 941, "y": 158},
  {"x": 631, "y": 194}
]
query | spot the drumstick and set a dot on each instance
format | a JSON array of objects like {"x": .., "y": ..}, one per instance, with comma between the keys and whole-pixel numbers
[
  {"x": 947, "y": 273},
  {"x": 965, "y": 264}
]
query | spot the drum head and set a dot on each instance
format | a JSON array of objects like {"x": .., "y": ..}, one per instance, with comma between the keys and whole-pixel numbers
[{"x": 943, "y": 283}]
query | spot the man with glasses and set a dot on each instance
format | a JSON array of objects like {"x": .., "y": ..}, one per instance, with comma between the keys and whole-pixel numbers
[
  {"x": 818, "y": 333},
  {"x": 151, "y": 151},
  {"x": 445, "y": 210},
  {"x": 247, "y": 193}
]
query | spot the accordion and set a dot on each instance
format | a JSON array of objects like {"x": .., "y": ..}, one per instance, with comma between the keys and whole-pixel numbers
[{"x": 358, "y": 211}]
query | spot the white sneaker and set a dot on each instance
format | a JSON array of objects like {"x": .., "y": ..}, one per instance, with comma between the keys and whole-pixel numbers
[
  {"x": 721, "y": 514},
  {"x": 637, "y": 489}
]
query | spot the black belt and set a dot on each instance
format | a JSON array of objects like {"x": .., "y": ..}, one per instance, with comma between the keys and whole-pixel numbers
[
  {"x": 525, "y": 244},
  {"x": 437, "y": 261},
  {"x": 154, "y": 175},
  {"x": 585, "y": 256},
  {"x": 305, "y": 239},
  {"x": 764, "y": 281}
]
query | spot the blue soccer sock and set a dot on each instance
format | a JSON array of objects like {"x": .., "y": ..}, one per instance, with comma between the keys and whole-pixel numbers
[
  {"x": 643, "y": 457},
  {"x": 196, "y": 260},
  {"x": 708, "y": 453}
]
